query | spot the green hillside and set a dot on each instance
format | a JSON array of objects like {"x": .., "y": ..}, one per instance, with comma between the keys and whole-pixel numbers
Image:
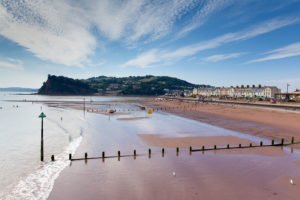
[{"x": 133, "y": 85}]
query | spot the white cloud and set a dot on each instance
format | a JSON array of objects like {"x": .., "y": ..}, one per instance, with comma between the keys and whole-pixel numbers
[
  {"x": 51, "y": 30},
  {"x": 291, "y": 50},
  {"x": 11, "y": 64},
  {"x": 221, "y": 57},
  {"x": 205, "y": 11},
  {"x": 61, "y": 31},
  {"x": 160, "y": 57},
  {"x": 145, "y": 59}
]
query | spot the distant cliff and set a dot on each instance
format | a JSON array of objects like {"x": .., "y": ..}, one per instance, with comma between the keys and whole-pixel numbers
[
  {"x": 60, "y": 85},
  {"x": 133, "y": 85},
  {"x": 18, "y": 89}
]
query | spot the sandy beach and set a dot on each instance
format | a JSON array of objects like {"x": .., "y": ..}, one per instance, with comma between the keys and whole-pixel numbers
[
  {"x": 256, "y": 173},
  {"x": 263, "y": 122}
]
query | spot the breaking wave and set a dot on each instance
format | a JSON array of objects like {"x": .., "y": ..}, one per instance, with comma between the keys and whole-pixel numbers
[{"x": 39, "y": 184}]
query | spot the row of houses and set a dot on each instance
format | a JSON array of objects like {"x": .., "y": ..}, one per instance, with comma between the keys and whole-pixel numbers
[{"x": 238, "y": 92}]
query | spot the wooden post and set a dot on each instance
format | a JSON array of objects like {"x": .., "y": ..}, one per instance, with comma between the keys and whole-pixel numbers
[
  {"x": 191, "y": 149},
  {"x": 203, "y": 148},
  {"x": 177, "y": 149},
  {"x": 52, "y": 158},
  {"x": 119, "y": 154},
  {"x": 272, "y": 142},
  {"x": 103, "y": 154},
  {"x": 282, "y": 141},
  {"x": 240, "y": 146},
  {"x": 293, "y": 140},
  {"x": 42, "y": 141},
  {"x": 163, "y": 151},
  {"x": 42, "y": 116},
  {"x": 228, "y": 146},
  {"x": 70, "y": 156},
  {"x": 250, "y": 145},
  {"x": 215, "y": 147},
  {"x": 85, "y": 155},
  {"x": 134, "y": 152},
  {"x": 261, "y": 143}
]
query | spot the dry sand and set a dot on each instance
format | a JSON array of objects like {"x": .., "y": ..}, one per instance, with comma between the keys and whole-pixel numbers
[{"x": 256, "y": 121}]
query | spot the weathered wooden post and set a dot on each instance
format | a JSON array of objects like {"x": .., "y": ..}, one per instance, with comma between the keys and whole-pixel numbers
[
  {"x": 191, "y": 148},
  {"x": 177, "y": 149},
  {"x": 273, "y": 142},
  {"x": 163, "y": 151},
  {"x": 215, "y": 147},
  {"x": 282, "y": 141},
  {"x": 149, "y": 152},
  {"x": 119, "y": 154},
  {"x": 103, "y": 154},
  {"x": 70, "y": 156},
  {"x": 261, "y": 143},
  {"x": 250, "y": 145},
  {"x": 240, "y": 145},
  {"x": 293, "y": 140},
  {"x": 134, "y": 153},
  {"x": 203, "y": 148},
  {"x": 52, "y": 158},
  {"x": 228, "y": 146},
  {"x": 85, "y": 155},
  {"x": 42, "y": 116}
]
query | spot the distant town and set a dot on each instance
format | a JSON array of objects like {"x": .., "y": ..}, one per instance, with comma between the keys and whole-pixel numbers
[{"x": 259, "y": 92}]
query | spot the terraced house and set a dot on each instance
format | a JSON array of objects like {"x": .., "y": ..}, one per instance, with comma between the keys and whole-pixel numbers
[{"x": 238, "y": 91}]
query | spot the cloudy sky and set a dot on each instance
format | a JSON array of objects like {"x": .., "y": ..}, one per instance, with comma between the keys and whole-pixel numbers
[{"x": 217, "y": 42}]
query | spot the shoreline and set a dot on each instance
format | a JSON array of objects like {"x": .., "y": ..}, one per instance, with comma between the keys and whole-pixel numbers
[{"x": 262, "y": 122}]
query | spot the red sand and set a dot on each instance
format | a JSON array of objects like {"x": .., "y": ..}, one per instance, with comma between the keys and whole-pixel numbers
[
  {"x": 207, "y": 141},
  {"x": 256, "y": 121},
  {"x": 228, "y": 175},
  {"x": 199, "y": 176}
]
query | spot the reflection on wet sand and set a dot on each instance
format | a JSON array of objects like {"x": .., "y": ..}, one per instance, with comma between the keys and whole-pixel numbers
[
  {"x": 200, "y": 176},
  {"x": 258, "y": 173},
  {"x": 131, "y": 118}
]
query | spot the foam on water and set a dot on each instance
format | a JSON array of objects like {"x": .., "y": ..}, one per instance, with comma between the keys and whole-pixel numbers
[{"x": 38, "y": 185}]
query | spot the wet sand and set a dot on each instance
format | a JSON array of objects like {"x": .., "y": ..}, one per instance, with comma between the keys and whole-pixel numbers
[
  {"x": 256, "y": 121},
  {"x": 131, "y": 118},
  {"x": 259, "y": 173},
  {"x": 196, "y": 142},
  {"x": 199, "y": 176}
]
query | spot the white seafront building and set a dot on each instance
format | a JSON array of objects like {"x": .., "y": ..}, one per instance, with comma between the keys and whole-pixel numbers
[{"x": 238, "y": 92}]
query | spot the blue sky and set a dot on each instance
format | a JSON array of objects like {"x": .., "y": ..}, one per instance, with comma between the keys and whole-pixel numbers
[{"x": 216, "y": 42}]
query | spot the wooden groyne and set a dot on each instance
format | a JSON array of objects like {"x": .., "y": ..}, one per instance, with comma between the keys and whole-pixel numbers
[{"x": 281, "y": 143}]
